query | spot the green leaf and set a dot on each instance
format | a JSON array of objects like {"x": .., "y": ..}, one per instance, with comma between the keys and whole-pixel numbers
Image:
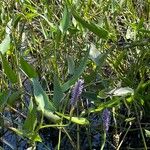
[
  {"x": 130, "y": 119},
  {"x": 41, "y": 98},
  {"x": 94, "y": 53},
  {"x": 96, "y": 56},
  {"x": 71, "y": 65},
  {"x": 8, "y": 27},
  {"x": 28, "y": 69},
  {"x": 77, "y": 73},
  {"x": 58, "y": 93},
  {"x": 11, "y": 75},
  {"x": 147, "y": 132},
  {"x": 31, "y": 120},
  {"x": 77, "y": 120},
  {"x": 64, "y": 23},
  {"x": 14, "y": 97},
  {"x": 32, "y": 135},
  {"x": 90, "y": 95},
  {"x": 3, "y": 100},
  {"x": 100, "y": 32},
  {"x": 52, "y": 117},
  {"x": 4, "y": 46},
  {"x": 123, "y": 91},
  {"x": 107, "y": 104}
]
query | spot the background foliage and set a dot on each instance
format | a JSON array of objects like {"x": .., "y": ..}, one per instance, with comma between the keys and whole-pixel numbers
[{"x": 47, "y": 45}]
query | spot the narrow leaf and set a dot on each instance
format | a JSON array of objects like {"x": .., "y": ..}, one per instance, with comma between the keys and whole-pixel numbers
[
  {"x": 58, "y": 93},
  {"x": 71, "y": 65},
  {"x": 107, "y": 104},
  {"x": 11, "y": 75},
  {"x": 100, "y": 32},
  {"x": 77, "y": 120},
  {"x": 64, "y": 24},
  {"x": 31, "y": 120},
  {"x": 52, "y": 117}
]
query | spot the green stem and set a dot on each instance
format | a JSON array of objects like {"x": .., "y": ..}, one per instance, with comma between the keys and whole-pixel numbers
[
  {"x": 78, "y": 133},
  {"x": 104, "y": 141},
  {"x": 59, "y": 139}
]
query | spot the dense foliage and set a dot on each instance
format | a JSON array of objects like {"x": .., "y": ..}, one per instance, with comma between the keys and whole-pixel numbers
[{"x": 75, "y": 74}]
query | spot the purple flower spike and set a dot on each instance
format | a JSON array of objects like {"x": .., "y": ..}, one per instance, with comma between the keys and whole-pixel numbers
[
  {"x": 76, "y": 92},
  {"x": 106, "y": 119}
]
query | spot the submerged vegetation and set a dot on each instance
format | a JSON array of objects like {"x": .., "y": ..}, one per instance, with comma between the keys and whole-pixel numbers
[{"x": 74, "y": 74}]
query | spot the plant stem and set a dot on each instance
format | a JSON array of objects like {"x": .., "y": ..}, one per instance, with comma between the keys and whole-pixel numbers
[
  {"x": 104, "y": 141},
  {"x": 59, "y": 139},
  {"x": 142, "y": 134},
  {"x": 78, "y": 133}
]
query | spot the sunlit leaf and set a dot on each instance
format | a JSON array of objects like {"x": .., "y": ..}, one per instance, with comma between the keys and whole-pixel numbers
[
  {"x": 32, "y": 135},
  {"x": 18, "y": 132},
  {"x": 96, "y": 56},
  {"x": 94, "y": 53},
  {"x": 130, "y": 119},
  {"x": 147, "y": 132},
  {"x": 4, "y": 46},
  {"x": 123, "y": 91},
  {"x": 52, "y": 117},
  {"x": 77, "y": 120}
]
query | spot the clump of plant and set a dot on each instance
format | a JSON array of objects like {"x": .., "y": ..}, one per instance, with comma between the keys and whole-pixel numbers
[{"x": 77, "y": 69}]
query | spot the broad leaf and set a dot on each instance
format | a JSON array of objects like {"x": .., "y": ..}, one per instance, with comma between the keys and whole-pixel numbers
[{"x": 41, "y": 97}]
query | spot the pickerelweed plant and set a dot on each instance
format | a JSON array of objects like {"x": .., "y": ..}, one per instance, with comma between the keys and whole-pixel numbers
[
  {"x": 43, "y": 38},
  {"x": 76, "y": 92}
]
